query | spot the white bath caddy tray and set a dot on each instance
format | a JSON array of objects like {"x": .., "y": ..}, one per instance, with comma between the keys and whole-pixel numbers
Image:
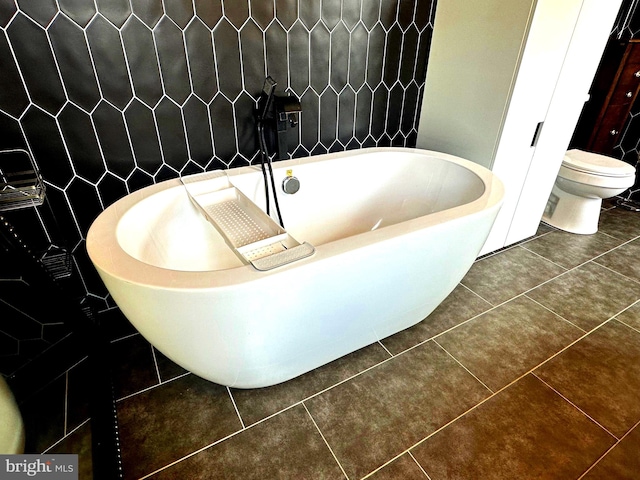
[{"x": 249, "y": 232}]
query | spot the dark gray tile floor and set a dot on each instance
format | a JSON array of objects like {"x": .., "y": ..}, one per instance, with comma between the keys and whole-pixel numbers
[{"x": 530, "y": 369}]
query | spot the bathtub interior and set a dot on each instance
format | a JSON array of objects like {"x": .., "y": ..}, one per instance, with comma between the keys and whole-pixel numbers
[
  {"x": 338, "y": 198},
  {"x": 166, "y": 230}
]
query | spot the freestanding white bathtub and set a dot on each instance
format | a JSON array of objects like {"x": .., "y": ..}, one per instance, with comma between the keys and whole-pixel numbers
[{"x": 392, "y": 231}]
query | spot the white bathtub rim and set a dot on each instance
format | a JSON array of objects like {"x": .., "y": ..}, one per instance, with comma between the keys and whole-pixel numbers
[{"x": 112, "y": 260}]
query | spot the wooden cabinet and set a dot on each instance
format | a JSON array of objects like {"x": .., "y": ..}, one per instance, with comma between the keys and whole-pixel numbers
[
  {"x": 616, "y": 104},
  {"x": 506, "y": 82}
]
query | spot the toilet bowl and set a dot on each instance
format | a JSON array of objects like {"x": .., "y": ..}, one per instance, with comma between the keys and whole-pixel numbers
[
  {"x": 583, "y": 181},
  {"x": 11, "y": 426}
]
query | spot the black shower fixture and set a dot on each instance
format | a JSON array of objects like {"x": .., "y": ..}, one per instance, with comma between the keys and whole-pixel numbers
[
  {"x": 274, "y": 116},
  {"x": 277, "y": 113}
]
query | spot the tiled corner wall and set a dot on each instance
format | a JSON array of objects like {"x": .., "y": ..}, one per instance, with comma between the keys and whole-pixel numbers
[
  {"x": 27, "y": 327},
  {"x": 110, "y": 96}
]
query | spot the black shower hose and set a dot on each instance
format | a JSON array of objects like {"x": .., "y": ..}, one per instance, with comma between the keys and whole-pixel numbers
[{"x": 264, "y": 158}]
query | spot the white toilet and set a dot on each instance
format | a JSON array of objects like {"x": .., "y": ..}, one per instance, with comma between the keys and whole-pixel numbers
[{"x": 583, "y": 181}]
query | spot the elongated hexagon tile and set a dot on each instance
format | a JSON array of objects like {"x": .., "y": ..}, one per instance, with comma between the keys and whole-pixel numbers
[
  {"x": 149, "y": 11},
  {"x": 173, "y": 60},
  {"x": 29, "y": 41},
  {"x": 72, "y": 55},
  {"x": 109, "y": 59},
  {"x": 141, "y": 55},
  {"x": 78, "y": 10},
  {"x": 13, "y": 97},
  {"x": 201, "y": 60}
]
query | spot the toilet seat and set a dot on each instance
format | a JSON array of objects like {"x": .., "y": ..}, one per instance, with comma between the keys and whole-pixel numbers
[
  {"x": 596, "y": 164},
  {"x": 568, "y": 173}
]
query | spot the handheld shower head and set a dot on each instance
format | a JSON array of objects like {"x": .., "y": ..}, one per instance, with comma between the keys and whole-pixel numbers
[{"x": 266, "y": 97}]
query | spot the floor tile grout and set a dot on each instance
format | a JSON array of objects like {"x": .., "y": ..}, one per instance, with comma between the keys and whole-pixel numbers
[
  {"x": 151, "y": 387},
  {"x": 478, "y": 295},
  {"x": 258, "y": 422},
  {"x": 126, "y": 337},
  {"x": 235, "y": 406},
  {"x": 616, "y": 272},
  {"x": 212, "y": 444},
  {"x": 492, "y": 394},
  {"x": 575, "y": 406},
  {"x": 325, "y": 441},
  {"x": 469, "y": 289},
  {"x": 388, "y": 462},
  {"x": 420, "y": 466},
  {"x": 57, "y": 442},
  {"x": 463, "y": 366},
  {"x": 434, "y": 338},
  {"x": 539, "y": 255},
  {"x": 555, "y": 313},
  {"x": 441, "y": 333},
  {"x": 155, "y": 363},
  {"x": 66, "y": 402},
  {"x": 302, "y": 402},
  {"x": 609, "y": 450},
  {"x": 385, "y": 348},
  {"x": 513, "y": 382}
]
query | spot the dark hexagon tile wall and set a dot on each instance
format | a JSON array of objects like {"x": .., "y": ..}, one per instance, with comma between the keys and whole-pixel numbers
[
  {"x": 113, "y": 95},
  {"x": 627, "y": 27}
]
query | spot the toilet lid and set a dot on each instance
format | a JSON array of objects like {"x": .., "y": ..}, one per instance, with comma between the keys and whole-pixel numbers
[{"x": 598, "y": 164}]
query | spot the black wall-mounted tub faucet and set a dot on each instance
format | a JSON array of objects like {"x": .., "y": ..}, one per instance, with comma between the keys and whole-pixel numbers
[
  {"x": 275, "y": 115},
  {"x": 287, "y": 110}
]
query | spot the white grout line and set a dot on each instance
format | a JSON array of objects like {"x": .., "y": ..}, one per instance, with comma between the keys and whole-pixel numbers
[
  {"x": 385, "y": 464},
  {"x": 616, "y": 272},
  {"x": 325, "y": 441},
  {"x": 625, "y": 323},
  {"x": 126, "y": 337},
  {"x": 393, "y": 459},
  {"x": 236, "y": 408},
  {"x": 419, "y": 466},
  {"x": 609, "y": 450},
  {"x": 152, "y": 387},
  {"x": 380, "y": 363},
  {"x": 231, "y": 435},
  {"x": 575, "y": 406},
  {"x": 67, "y": 435},
  {"x": 554, "y": 313},
  {"x": 385, "y": 348},
  {"x": 471, "y": 291},
  {"x": 523, "y": 246},
  {"x": 66, "y": 402},
  {"x": 471, "y": 409},
  {"x": 392, "y": 357},
  {"x": 478, "y": 295},
  {"x": 192, "y": 454},
  {"x": 155, "y": 363},
  {"x": 460, "y": 363}
]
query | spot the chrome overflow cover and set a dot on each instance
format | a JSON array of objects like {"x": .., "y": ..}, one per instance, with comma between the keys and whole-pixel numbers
[{"x": 290, "y": 184}]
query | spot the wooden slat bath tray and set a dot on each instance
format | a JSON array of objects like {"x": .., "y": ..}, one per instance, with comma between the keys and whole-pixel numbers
[{"x": 249, "y": 232}]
